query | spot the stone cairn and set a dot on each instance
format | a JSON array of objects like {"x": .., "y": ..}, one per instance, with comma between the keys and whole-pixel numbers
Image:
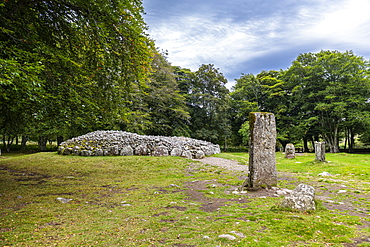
[
  {"x": 289, "y": 151},
  {"x": 320, "y": 151},
  {"x": 262, "y": 163},
  {"x": 101, "y": 143}
]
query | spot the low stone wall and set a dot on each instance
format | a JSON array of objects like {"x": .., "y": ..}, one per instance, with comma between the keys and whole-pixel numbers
[{"x": 123, "y": 143}]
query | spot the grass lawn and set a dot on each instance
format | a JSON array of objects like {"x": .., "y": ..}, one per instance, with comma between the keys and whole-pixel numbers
[{"x": 171, "y": 201}]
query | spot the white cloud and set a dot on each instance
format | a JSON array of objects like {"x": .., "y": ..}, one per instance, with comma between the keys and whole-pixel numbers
[{"x": 229, "y": 41}]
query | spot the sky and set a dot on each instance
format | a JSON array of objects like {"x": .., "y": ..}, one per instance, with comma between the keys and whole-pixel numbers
[{"x": 250, "y": 36}]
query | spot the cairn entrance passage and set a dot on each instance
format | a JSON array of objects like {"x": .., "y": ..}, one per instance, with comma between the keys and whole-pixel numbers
[
  {"x": 123, "y": 143},
  {"x": 262, "y": 162}
]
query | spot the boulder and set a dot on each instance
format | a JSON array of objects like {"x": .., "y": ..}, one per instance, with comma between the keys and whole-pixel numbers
[
  {"x": 176, "y": 152},
  {"x": 187, "y": 154},
  {"x": 301, "y": 199},
  {"x": 160, "y": 151},
  {"x": 199, "y": 154},
  {"x": 127, "y": 151}
]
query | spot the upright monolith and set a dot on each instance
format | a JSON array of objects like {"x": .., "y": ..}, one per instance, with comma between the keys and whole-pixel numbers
[
  {"x": 262, "y": 163},
  {"x": 320, "y": 151}
]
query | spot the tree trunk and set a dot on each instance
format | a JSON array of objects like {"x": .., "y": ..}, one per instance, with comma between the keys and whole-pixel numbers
[
  {"x": 59, "y": 140},
  {"x": 9, "y": 143},
  {"x": 305, "y": 145},
  {"x": 24, "y": 142},
  {"x": 351, "y": 140},
  {"x": 42, "y": 143}
]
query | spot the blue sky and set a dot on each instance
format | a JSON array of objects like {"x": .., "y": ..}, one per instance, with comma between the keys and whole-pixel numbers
[{"x": 249, "y": 36}]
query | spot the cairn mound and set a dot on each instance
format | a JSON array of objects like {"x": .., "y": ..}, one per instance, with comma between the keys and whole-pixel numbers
[{"x": 101, "y": 143}]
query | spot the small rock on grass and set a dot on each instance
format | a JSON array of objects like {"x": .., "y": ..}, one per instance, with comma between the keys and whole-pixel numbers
[
  {"x": 239, "y": 234},
  {"x": 227, "y": 236},
  {"x": 325, "y": 174},
  {"x": 63, "y": 200}
]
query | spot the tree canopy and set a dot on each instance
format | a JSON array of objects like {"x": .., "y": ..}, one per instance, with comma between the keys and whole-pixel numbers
[{"x": 70, "y": 67}]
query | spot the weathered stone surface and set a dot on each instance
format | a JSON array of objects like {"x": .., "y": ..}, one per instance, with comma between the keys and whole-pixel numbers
[
  {"x": 141, "y": 150},
  {"x": 320, "y": 151},
  {"x": 301, "y": 198},
  {"x": 199, "y": 154},
  {"x": 76, "y": 150},
  {"x": 99, "y": 152},
  {"x": 289, "y": 151},
  {"x": 176, "y": 152},
  {"x": 67, "y": 151},
  {"x": 187, "y": 154},
  {"x": 160, "y": 151},
  {"x": 127, "y": 151},
  {"x": 262, "y": 163},
  {"x": 125, "y": 143},
  {"x": 86, "y": 153}
]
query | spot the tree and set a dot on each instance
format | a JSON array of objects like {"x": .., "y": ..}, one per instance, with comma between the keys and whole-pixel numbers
[
  {"x": 167, "y": 108},
  {"x": 333, "y": 88},
  {"x": 210, "y": 104},
  {"x": 83, "y": 59}
]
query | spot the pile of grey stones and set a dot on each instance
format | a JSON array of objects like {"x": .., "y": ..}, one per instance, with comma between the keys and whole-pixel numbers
[{"x": 104, "y": 143}]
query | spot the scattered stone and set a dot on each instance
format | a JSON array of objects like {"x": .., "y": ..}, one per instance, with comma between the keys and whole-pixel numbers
[
  {"x": 239, "y": 234},
  {"x": 301, "y": 198},
  {"x": 160, "y": 151},
  {"x": 227, "y": 236},
  {"x": 206, "y": 237},
  {"x": 64, "y": 200},
  {"x": 176, "y": 152},
  {"x": 19, "y": 197},
  {"x": 174, "y": 185},
  {"x": 283, "y": 192},
  {"x": 342, "y": 191},
  {"x": 199, "y": 154},
  {"x": 123, "y": 143},
  {"x": 187, "y": 154},
  {"x": 289, "y": 151},
  {"x": 325, "y": 174},
  {"x": 127, "y": 151},
  {"x": 262, "y": 163}
]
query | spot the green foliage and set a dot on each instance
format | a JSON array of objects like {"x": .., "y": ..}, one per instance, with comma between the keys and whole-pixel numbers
[
  {"x": 68, "y": 67},
  {"x": 209, "y": 105}
]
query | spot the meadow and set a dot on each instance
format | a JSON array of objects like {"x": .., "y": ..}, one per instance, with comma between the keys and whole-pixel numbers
[{"x": 52, "y": 200}]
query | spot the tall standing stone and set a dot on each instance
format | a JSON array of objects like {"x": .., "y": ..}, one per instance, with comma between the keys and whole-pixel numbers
[
  {"x": 262, "y": 163},
  {"x": 320, "y": 151}
]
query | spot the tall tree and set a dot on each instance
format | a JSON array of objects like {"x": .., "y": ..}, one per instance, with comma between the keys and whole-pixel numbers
[
  {"x": 167, "y": 106},
  {"x": 83, "y": 59},
  {"x": 334, "y": 90},
  {"x": 210, "y": 105}
]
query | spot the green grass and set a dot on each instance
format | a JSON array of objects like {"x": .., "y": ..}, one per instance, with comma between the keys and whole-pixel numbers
[{"x": 144, "y": 201}]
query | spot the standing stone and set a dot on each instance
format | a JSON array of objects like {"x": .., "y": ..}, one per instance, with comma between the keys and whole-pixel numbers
[
  {"x": 320, "y": 151},
  {"x": 289, "y": 151},
  {"x": 262, "y": 163}
]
